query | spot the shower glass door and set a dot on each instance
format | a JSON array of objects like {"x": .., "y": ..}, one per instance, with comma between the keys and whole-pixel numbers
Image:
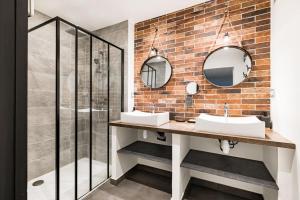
[
  {"x": 83, "y": 113},
  {"x": 41, "y": 113},
  {"x": 66, "y": 124},
  {"x": 100, "y": 111}
]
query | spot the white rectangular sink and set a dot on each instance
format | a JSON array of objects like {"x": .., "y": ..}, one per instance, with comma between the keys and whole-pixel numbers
[
  {"x": 144, "y": 118},
  {"x": 239, "y": 126}
]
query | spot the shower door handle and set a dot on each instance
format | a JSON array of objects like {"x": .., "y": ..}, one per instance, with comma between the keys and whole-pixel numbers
[{"x": 30, "y": 8}]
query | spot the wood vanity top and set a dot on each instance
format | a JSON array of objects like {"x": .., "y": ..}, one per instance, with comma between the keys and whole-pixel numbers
[{"x": 184, "y": 128}]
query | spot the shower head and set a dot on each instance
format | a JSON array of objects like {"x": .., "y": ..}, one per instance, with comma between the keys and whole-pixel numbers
[{"x": 96, "y": 61}]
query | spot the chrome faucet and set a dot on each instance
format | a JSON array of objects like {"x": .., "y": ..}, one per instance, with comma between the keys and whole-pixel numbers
[
  {"x": 226, "y": 107},
  {"x": 152, "y": 107}
]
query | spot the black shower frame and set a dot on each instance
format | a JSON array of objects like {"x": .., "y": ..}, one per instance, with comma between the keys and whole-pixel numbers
[{"x": 58, "y": 21}]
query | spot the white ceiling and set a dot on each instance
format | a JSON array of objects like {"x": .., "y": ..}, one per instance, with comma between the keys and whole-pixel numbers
[{"x": 95, "y": 14}]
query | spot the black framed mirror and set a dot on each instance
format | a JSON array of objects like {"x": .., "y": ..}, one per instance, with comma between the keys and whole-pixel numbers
[
  {"x": 227, "y": 66},
  {"x": 156, "y": 72}
]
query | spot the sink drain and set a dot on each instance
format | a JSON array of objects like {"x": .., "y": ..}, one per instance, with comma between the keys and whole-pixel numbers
[{"x": 38, "y": 183}]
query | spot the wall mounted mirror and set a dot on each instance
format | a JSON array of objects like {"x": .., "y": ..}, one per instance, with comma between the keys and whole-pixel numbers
[
  {"x": 192, "y": 88},
  {"x": 156, "y": 72},
  {"x": 227, "y": 66}
]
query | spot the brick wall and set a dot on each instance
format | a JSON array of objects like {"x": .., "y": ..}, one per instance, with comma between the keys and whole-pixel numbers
[{"x": 186, "y": 37}]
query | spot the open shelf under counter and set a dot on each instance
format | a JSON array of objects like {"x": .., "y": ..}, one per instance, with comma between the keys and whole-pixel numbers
[
  {"x": 241, "y": 169},
  {"x": 272, "y": 138},
  {"x": 199, "y": 189},
  {"x": 152, "y": 177},
  {"x": 151, "y": 151}
]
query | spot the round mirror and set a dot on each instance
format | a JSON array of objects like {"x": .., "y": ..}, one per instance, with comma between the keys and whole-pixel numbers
[
  {"x": 227, "y": 66},
  {"x": 191, "y": 88},
  {"x": 156, "y": 72}
]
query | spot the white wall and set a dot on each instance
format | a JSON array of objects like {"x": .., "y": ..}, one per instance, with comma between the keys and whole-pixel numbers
[
  {"x": 130, "y": 81},
  {"x": 285, "y": 106}
]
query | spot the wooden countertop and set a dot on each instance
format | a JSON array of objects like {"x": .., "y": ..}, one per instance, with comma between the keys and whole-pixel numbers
[{"x": 272, "y": 138}]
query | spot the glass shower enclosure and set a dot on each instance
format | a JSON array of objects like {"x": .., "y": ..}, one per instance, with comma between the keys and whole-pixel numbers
[{"x": 75, "y": 87}]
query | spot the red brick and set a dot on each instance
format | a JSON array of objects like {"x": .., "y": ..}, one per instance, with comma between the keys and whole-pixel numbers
[{"x": 186, "y": 36}]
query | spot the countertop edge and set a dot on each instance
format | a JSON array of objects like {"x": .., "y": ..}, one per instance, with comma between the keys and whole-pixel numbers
[{"x": 272, "y": 138}]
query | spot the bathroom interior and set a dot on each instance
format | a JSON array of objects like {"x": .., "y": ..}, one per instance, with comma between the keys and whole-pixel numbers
[{"x": 194, "y": 99}]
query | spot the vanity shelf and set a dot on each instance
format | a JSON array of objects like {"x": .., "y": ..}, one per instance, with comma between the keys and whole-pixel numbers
[
  {"x": 152, "y": 177},
  {"x": 202, "y": 190},
  {"x": 151, "y": 151},
  {"x": 241, "y": 169}
]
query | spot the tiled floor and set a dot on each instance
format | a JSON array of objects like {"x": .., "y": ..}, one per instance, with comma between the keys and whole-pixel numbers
[
  {"x": 128, "y": 190},
  {"x": 46, "y": 191}
]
